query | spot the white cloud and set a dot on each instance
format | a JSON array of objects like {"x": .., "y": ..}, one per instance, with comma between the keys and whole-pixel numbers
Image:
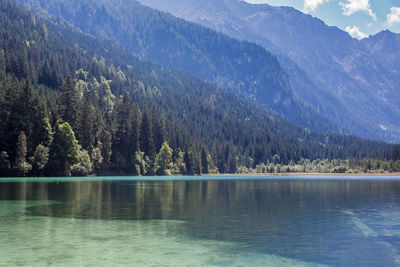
[
  {"x": 353, "y": 6},
  {"x": 394, "y": 16},
  {"x": 355, "y": 32},
  {"x": 311, "y": 5}
]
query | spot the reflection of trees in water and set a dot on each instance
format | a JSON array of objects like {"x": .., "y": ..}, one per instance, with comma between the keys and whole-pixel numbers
[
  {"x": 296, "y": 219},
  {"x": 273, "y": 201}
]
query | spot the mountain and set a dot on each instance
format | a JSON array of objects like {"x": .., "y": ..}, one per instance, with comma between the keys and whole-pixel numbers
[
  {"x": 385, "y": 47},
  {"x": 238, "y": 66},
  {"x": 339, "y": 76},
  {"x": 73, "y": 104}
]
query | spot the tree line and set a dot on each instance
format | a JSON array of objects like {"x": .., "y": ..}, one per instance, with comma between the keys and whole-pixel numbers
[{"x": 75, "y": 105}]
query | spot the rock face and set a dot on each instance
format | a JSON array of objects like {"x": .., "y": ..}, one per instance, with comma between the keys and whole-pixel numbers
[{"x": 353, "y": 83}]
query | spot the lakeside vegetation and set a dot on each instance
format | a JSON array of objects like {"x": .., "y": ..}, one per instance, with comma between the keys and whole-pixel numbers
[{"x": 349, "y": 166}]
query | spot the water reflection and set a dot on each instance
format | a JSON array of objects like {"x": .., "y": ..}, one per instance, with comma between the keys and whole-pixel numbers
[{"x": 333, "y": 223}]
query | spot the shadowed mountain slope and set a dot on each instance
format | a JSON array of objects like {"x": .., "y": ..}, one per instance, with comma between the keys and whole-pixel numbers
[
  {"x": 238, "y": 66},
  {"x": 354, "y": 83}
]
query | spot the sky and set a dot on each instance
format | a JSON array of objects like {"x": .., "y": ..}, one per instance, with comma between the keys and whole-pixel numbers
[{"x": 360, "y": 18}]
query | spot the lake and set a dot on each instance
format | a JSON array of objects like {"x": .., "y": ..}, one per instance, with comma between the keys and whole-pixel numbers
[{"x": 200, "y": 221}]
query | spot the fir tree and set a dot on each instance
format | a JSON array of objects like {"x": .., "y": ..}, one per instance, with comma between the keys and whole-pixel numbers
[
  {"x": 69, "y": 100},
  {"x": 21, "y": 165},
  {"x": 146, "y": 135}
]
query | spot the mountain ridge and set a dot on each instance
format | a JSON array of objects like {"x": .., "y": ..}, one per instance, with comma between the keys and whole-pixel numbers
[
  {"x": 338, "y": 65},
  {"x": 239, "y": 66}
]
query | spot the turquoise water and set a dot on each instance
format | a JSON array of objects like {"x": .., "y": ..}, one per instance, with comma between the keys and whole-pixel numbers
[{"x": 200, "y": 221}]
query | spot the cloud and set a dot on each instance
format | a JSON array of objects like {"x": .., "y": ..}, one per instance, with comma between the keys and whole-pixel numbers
[
  {"x": 354, "y": 6},
  {"x": 311, "y": 5},
  {"x": 355, "y": 32},
  {"x": 394, "y": 16}
]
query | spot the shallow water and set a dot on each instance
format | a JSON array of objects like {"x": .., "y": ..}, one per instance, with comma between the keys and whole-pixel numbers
[{"x": 185, "y": 221}]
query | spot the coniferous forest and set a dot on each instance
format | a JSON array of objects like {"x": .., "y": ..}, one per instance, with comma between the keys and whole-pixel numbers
[
  {"x": 71, "y": 104},
  {"x": 236, "y": 66}
]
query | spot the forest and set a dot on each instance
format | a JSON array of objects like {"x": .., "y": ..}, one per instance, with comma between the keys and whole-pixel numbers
[
  {"x": 236, "y": 66},
  {"x": 71, "y": 104}
]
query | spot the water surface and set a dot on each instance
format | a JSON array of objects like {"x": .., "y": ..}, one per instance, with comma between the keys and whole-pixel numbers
[{"x": 203, "y": 221}]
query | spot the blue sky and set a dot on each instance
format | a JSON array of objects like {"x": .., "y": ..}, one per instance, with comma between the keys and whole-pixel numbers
[{"x": 358, "y": 17}]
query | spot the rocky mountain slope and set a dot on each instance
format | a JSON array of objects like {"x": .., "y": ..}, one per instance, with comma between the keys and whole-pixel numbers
[{"x": 354, "y": 83}]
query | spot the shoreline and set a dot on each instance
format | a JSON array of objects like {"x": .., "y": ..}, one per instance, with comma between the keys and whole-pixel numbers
[
  {"x": 204, "y": 177},
  {"x": 305, "y": 174}
]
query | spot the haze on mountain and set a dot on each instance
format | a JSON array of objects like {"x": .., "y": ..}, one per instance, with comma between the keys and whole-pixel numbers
[
  {"x": 353, "y": 83},
  {"x": 237, "y": 66}
]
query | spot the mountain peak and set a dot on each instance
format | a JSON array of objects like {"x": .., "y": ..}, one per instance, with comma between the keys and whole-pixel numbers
[
  {"x": 386, "y": 36},
  {"x": 385, "y": 33},
  {"x": 335, "y": 73}
]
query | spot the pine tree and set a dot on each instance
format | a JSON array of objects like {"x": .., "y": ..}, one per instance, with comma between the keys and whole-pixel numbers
[
  {"x": 205, "y": 160},
  {"x": 196, "y": 166},
  {"x": 158, "y": 130},
  {"x": 140, "y": 164},
  {"x": 134, "y": 131},
  {"x": 179, "y": 165},
  {"x": 85, "y": 128},
  {"x": 121, "y": 143},
  {"x": 105, "y": 145},
  {"x": 232, "y": 164},
  {"x": 146, "y": 135},
  {"x": 21, "y": 165},
  {"x": 45, "y": 75},
  {"x": 29, "y": 115},
  {"x": 69, "y": 100}
]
